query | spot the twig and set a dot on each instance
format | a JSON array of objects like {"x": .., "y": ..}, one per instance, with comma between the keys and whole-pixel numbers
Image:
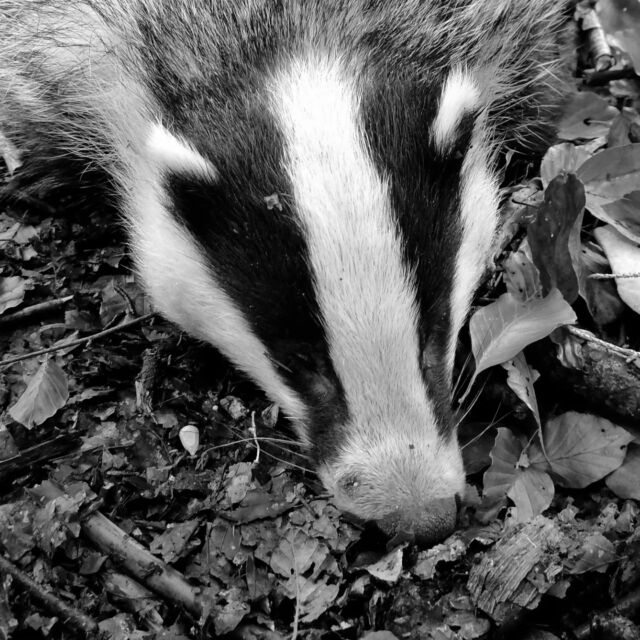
[
  {"x": 597, "y": 78},
  {"x": 79, "y": 341},
  {"x": 35, "y": 309},
  {"x": 34, "y": 456},
  {"x": 613, "y": 276},
  {"x": 67, "y": 614}
]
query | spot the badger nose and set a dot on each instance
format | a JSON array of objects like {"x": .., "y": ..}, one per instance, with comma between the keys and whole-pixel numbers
[{"x": 427, "y": 524}]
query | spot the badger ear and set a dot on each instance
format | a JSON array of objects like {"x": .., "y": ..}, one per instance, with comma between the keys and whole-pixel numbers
[{"x": 173, "y": 153}]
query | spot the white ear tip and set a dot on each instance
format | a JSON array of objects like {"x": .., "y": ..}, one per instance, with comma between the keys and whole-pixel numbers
[{"x": 190, "y": 438}]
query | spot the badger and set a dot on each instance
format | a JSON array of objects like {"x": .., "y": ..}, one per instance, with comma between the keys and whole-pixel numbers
[{"x": 310, "y": 186}]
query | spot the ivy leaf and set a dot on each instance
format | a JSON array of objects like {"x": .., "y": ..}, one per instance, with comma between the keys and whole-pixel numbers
[
  {"x": 580, "y": 448},
  {"x": 46, "y": 392},
  {"x": 505, "y": 327}
]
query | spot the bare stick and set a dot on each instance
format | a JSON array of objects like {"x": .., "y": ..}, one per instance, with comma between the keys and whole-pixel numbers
[
  {"x": 35, "y": 310},
  {"x": 67, "y": 614},
  {"x": 79, "y": 341}
]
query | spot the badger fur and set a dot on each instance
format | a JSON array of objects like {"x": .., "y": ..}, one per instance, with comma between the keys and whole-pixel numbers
[{"x": 309, "y": 186}]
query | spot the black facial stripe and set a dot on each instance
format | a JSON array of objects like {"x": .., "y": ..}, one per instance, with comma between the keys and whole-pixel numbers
[
  {"x": 259, "y": 257},
  {"x": 425, "y": 189}
]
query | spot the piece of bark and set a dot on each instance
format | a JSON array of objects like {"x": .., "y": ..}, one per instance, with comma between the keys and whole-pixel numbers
[{"x": 515, "y": 573}]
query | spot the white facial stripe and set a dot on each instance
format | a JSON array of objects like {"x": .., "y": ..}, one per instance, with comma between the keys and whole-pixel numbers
[
  {"x": 185, "y": 291},
  {"x": 479, "y": 214},
  {"x": 460, "y": 96},
  {"x": 366, "y": 296},
  {"x": 170, "y": 152}
]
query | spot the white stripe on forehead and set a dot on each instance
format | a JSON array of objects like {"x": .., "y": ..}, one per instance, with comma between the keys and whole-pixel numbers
[
  {"x": 460, "y": 95},
  {"x": 366, "y": 296}
]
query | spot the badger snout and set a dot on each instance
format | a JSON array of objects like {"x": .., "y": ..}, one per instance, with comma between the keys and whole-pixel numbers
[
  {"x": 427, "y": 525},
  {"x": 403, "y": 490}
]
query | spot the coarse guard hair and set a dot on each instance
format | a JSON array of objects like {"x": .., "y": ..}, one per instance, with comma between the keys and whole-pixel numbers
[{"x": 309, "y": 186}]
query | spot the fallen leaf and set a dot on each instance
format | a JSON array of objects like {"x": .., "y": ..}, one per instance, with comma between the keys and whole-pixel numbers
[
  {"x": 46, "y": 392},
  {"x": 624, "y": 257},
  {"x": 12, "y": 290},
  {"x": 389, "y": 568},
  {"x": 597, "y": 554},
  {"x": 580, "y": 449},
  {"x": 531, "y": 492},
  {"x": 510, "y": 474},
  {"x": 625, "y": 129},
  {"x": 586, "y": 116},
  {"x": 625, "y": 480},
  {"x": 505, "y": 327}
]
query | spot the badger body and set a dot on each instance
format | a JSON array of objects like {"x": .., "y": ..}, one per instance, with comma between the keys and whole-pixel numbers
[{"x": 309, "y": 186}]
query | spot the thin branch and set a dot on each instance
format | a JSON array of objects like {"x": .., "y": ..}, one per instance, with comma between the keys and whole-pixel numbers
[
  {"x": 79, "y": 341},
  {"x": 68, "y": 615},
  {"x": 35, "y": 310}
]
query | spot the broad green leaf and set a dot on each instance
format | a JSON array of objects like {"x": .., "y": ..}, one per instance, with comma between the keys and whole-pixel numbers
[
  {"x": 46, "y": 392},
  {"x": 587, "y": 115},
  {"x": 624, "y": 257},
  {"x": 625, "y": 480},
  {"x": 580, "y": 448},
  {"x": 505, "y": 327}
]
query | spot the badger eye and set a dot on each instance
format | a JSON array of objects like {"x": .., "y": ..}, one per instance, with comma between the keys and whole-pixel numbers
[{"x": 349, "y": 485}]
